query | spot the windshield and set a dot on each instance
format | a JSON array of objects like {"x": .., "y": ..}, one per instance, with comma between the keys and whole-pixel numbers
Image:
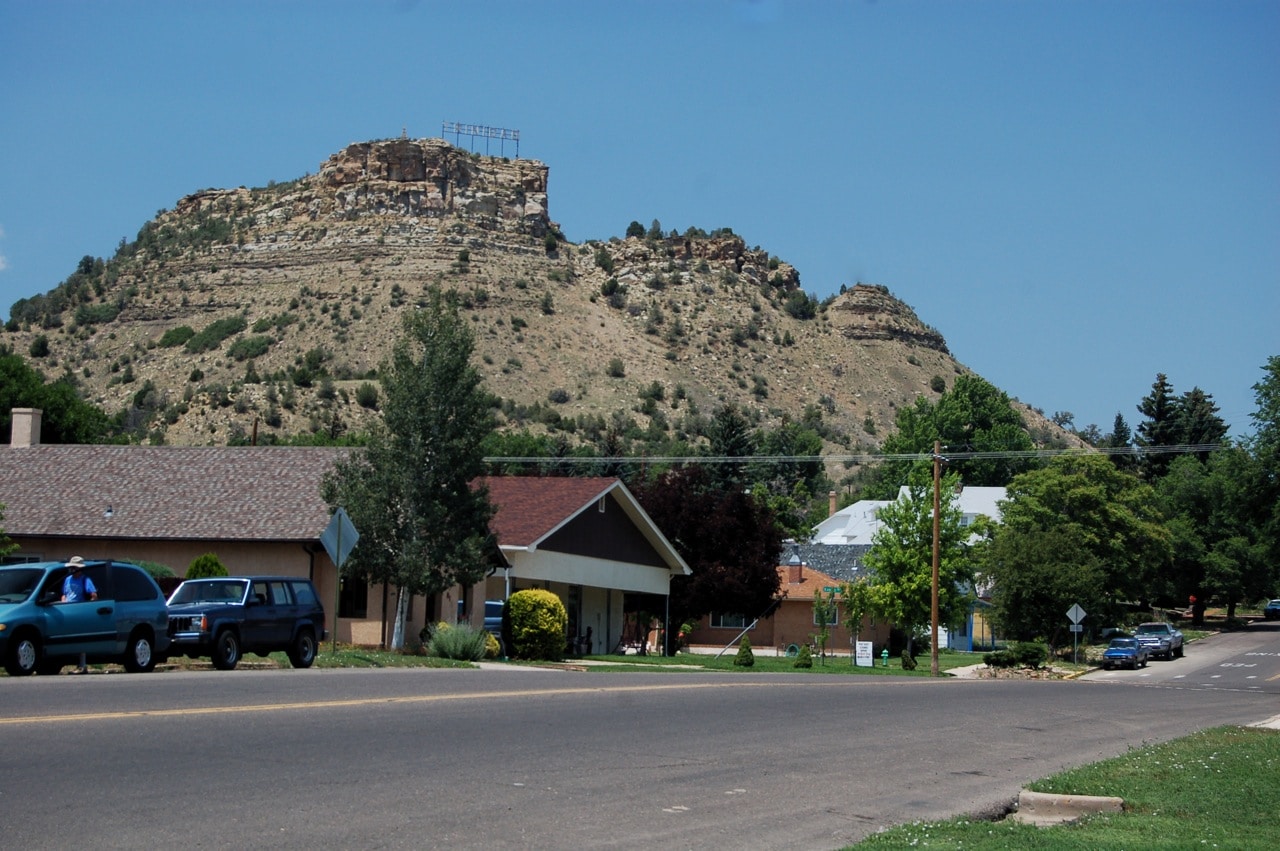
[
  {"x": 210, "y": 591},
  {"x": 1152, "y": 628},
  {"x": 1124, "y": 642},
  {"x": 18, "y": 583}
]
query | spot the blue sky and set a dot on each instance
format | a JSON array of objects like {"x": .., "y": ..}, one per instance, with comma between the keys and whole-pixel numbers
[{"x": 1078, "y": 195}]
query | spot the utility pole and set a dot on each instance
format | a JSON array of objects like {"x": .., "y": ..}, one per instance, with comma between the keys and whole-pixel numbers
[{"x": 937, "y": 534}]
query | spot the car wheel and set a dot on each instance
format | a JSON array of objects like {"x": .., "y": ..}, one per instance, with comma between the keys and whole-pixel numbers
[
  {"x": 1178, "y": 653},
  {"x": 1106, "y": 666},
  {"x": 226, "y": 650},
  {"x": 23, "y": 656},
  {"x": 139, "y": 657},
  {"x": 303, "y": 651}
]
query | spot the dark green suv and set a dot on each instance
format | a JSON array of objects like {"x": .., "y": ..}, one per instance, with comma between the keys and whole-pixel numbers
[{"x": 225, "y": 617}]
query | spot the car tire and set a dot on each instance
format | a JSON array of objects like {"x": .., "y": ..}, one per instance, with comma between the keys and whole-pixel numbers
[
  {"x": 23, "y": 657},
  {"x": 1106, "y": 666},
  {"x": 139, "y": 656},
  {"x": 1178, "y": 653},
  {"x": 226, "y": 650},
  {"x": 303, "y": 651}
]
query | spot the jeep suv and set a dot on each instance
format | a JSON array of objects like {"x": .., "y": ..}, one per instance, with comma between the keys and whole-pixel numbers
[
  {"x": 39, "y": 632},
  {"x": 225, "y": 617}
]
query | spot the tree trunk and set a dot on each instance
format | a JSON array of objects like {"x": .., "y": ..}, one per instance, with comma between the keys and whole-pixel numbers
[{"x": 402, "y": 609}]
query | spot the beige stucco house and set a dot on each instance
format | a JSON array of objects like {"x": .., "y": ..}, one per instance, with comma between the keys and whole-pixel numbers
[{"x": 259, "y": 510}]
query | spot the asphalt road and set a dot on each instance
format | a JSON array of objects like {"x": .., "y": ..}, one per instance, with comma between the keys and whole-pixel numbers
[{"x": 558, "y": 759}]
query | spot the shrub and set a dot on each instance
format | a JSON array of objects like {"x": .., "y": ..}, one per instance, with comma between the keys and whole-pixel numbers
[
  {"x": 458, "y": 641},
  {"x": 804, "y": 659},
  {"x": 39, "y": 347},
  {"x": 745, "y": 658},
  {"x": 367, "y": 396},
  {"x": 492, "y": 648},
  {"x": 213, "y": 335},
  {"x": 538, "y": 624},
  {"x": 604, "y": 260},
  {"x": 615, "y": 369},
  {"x": 999, "y": 659},
  {"x": 247, "y": 348},
  {"x": 937, "y": 384},
  {"x": 1030, "y": 654},
  {"x": 558, "y": 396},
  {"x": 177, "y": 336},
  {"x": 908, "y": 661},
  {"x": 205, "y": 566}
]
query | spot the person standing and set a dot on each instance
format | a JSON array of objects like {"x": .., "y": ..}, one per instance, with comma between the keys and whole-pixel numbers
[{"x": 78, "y": 588}]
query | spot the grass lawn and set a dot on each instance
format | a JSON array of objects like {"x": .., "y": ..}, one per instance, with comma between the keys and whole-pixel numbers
[
  {"x": 1214, "y": 789},
  {"x": 947, "y": 659}
]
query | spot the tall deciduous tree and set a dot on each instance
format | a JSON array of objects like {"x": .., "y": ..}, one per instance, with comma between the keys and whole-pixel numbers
[
  {"x": 972, "y": 416},
  {"x": 67, "y": 418},
  {"x": 730, "y": 540},
  {"x": 1218, "y": 551},
  {"x": 423, "y": 526},
  {"x": 900, "y": 560},
  {"x": 1265, "y": 446},
  {"x": 1076, "y": 531}
]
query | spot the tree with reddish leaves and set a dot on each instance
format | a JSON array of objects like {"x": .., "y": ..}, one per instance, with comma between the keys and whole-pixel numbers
[{"x": 730, "y": 540}]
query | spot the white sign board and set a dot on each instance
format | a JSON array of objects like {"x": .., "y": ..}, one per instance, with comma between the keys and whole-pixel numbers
[
  {"x": 339, "y": 537},
  {"x": 862, "y": 655}
]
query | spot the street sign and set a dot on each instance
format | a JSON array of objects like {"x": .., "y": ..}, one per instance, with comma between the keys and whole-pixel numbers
[
  {"x": 827, "y": 589},
  {"x": 1075, "y": 627},
  {"x": 1076, "y": 614},
  {"x": 339, "y": 537}
]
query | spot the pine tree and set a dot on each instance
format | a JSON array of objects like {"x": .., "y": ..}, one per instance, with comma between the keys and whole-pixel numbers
[
  {"x": 745, "y": 658},
  {"x": 1160, "y": 429}
]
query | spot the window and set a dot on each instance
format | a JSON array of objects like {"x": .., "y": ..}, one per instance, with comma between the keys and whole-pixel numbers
[
  {"x": 133, "y": 584},
  {"x": 833, "y": 617},
  {"x": 353, "y": 599},
  {"x": 16, "y": 559},
  {"x": 722, "y": 620}
]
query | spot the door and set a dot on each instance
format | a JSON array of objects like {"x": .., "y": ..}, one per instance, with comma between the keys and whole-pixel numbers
[{"x": 74, "y": 628}]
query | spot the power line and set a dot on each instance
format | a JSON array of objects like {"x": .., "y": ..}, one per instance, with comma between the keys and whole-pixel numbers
[{"x": 865, "y": 458}]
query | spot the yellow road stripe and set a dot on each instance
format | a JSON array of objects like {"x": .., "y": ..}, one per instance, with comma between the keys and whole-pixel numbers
[{"x": 372, "y": 701}]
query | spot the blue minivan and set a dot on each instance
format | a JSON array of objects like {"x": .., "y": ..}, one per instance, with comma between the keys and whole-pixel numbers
[{"x": 127, "y": 623}]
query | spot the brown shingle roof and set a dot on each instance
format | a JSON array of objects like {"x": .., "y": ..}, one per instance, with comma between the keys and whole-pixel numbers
[
  {"x": 156, "y": 492},
  {"x": 528, "y": 507}
]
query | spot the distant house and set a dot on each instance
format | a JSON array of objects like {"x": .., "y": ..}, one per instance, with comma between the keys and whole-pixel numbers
[
  {"x": 846, "y": 535},
  {"x": 259, "y": 510},
  {"x": 791, "y": 622}
]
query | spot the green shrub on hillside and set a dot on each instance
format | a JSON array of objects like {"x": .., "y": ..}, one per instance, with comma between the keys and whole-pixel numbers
[{"x": 213, "y": 335}]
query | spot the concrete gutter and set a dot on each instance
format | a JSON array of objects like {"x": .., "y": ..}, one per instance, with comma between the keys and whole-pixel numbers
[{"x": 1044, "y": 809}]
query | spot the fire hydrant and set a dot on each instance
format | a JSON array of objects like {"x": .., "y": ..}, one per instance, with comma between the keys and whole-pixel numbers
[{"x": 884, "y": 658}]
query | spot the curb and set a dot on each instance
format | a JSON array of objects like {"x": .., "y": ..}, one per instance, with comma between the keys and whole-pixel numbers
[{"x": 1043, "y": 809}]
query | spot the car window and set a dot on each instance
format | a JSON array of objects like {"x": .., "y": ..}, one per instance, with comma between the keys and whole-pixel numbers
[
  {"x": 280, "y": 593},
  {"x": 16, "y": 584},
  {"x": 259, "y": 594},
  {"x": 304, "y": 593},
  {"x": 132, "y": 583}
]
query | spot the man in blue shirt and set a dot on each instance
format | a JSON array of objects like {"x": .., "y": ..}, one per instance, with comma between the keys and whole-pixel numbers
[{"x": 78, "y": 588}]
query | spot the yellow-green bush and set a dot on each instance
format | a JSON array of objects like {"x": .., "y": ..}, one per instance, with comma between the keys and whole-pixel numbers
[{"x": 538, "y": 623}]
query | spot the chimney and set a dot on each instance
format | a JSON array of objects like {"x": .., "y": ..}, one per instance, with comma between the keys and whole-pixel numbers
[
  {"x": 24, "y": 428},
  {"x": 831, "y": 503},
  {"x": 795, "y": 567}
]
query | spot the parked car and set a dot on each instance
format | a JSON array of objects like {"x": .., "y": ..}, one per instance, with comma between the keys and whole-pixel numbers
[
  {"x": 1272, "y": 610},
  {"x": 225, "y": 617},
  {"x": 1124, "y": 653},
  {"x": 1162, "y": 640},
  {"x": 492, "y": 617},
  {"x": 38, "y": 632}
]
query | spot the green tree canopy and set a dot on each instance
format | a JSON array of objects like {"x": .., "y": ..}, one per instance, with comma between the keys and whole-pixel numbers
[
  {"x": 67, "y": 418},
  {"x": 730, "y": 540},
  {"x": 423, "y": 527},
  {"x": 973, "y": 416},
  {"x": 901, "y": 558},
  {"x": 1075, "y": 531}
]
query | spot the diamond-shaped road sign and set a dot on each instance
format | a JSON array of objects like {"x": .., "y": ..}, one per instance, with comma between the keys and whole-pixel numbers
[
  {"x": 1075, "y": 613},
  {"x": 339, "y": 537}
]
